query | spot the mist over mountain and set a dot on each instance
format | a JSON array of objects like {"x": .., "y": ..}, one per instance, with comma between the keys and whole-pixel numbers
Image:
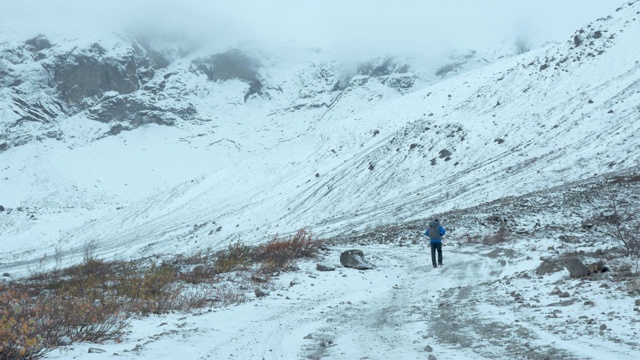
[
  {"x": 351, "y": 29},
  {"x": 164, "y": 136}
]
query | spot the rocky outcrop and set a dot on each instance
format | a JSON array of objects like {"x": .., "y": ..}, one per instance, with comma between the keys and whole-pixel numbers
[
  {"x": 576, "y": 268},
  {"x": 232, "y": 65},
  {"x": 354, "y": 259},
  {"x": 84, "y": 76}
]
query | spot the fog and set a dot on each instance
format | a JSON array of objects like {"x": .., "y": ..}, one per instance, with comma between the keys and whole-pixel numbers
[{"x": 348, "y": 27}]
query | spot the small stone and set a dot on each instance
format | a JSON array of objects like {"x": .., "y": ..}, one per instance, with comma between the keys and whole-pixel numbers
[
  {"x": 96, "y": 351},
  {"x": 603, "y": 327},
  {"x": 261, "y": 292},
  {"x": 325, "y": 267},
  {"x": 258, "y": 279},
  {"x": 564, "y": 295},
  {"x": 428, "y": 348},
  {"x": 308, "y": 337},
  {"x": 637, "y": 302},
  {"x": 589, "y": 302},
  {"x": 431, "y": 357}
]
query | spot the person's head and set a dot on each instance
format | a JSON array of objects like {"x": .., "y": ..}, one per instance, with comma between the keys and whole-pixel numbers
[{"x": 434, "y": 223}]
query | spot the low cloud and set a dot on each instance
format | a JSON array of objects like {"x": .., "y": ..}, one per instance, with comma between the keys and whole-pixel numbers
[{"x": 350, "y": 27}]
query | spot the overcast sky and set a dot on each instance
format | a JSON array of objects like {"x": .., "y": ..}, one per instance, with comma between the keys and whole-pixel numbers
[{"x": 341, "y": 25}]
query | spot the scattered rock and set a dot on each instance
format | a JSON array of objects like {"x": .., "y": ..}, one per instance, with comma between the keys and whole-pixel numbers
[
  {"x": 261, "y": 292},
  {"x": 428, "y": 348},
  {"x": 354, "y": 259},
  {"x": 431, "y": 357},
  {"x": 603, "y": 327},
  {"x": 577, "y": 40},
  {"x": 1, "y": 208},
  {"x": 202, "y": 270},
  {"x": 308, "y": 337},
  {"x": 294, "y": 282},
  {"x": 637, "y": 302},
  {"x": 325, "y": 267},
  {"x": 258, "y": 279},
  {"x": 96, "y": 351},
  {"x": 564, "y": 295},
  {"x": 549, "y": 266},
  {"x": 576, "y": 268},
  {"x": 598, "y": 267},
  {"x": 589, "y": 303}
]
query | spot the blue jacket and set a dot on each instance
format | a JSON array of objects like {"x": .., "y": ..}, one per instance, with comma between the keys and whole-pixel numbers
[{"x": 438, "y": 239}]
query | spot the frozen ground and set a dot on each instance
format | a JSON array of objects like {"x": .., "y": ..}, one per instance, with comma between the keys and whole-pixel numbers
[{"x": 482, "y": 304}]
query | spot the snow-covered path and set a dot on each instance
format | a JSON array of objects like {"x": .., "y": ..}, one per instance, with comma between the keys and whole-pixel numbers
[
  {"x": 479, "y": 305},
  {"x": 342, "y": 314}
]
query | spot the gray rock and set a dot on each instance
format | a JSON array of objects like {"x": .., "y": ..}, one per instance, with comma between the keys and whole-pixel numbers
[
  {"x": 325, "y": 267},
  {"x": 354, "y": 259},
  {"x": 96, "y": 351},
  {"x": 576, "y": 268},
  {"x": 428, "y": 348},
  {"x": 431, "y": 357},
  {"x": 637, "y": 302},
  {"x": 549, "y": 266},
  {"x": 261, "y": 292},
  {"x": 603, "y": 327}
]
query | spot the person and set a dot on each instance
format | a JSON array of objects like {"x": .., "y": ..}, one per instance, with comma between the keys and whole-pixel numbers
[{"x": 435, "y": 232}]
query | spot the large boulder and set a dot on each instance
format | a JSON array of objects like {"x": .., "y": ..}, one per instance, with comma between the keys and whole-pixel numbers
[
  {"x": 576, "y": 268},
  {"x": 354, "y": 259}
]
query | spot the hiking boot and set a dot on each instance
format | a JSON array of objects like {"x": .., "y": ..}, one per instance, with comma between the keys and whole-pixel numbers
[
  {"x": 435, "y": 266},
  {"x": 440, "y": 264}
]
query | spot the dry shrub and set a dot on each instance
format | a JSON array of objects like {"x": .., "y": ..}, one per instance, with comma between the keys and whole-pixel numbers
[
  {"x": 499, "y": 237},
  {"x": 279, "y": 253},
  {"x": 468, "y": 239},
  {"x": 31, "y": 326},
  {"x": 198, "y": 275},
  {"x": 20, "y": 335},
  {"x": 85, "y": 319},
  {"x": 229, "y": 296},
  {"x": 236, "y": 256}
]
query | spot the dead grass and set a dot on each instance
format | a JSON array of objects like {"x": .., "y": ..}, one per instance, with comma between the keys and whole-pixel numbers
[
  {"x": 502, "y": 235},
  {"x": 93, "y": 301},
  {"x": 280, "y": 253}
]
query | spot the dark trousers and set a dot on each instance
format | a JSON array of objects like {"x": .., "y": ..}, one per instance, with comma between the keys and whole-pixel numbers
[{"x": 436, "y": 246}]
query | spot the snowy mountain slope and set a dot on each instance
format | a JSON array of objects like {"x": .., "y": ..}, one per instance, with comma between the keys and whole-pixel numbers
[
  {"x": 313, "y": 151},
  {"x": 543, "y": 132}
]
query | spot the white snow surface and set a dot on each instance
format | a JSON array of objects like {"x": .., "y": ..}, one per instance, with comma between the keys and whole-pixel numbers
[
  {"x": 340, "y": 162},
  {"x": 401, "y": 309}
]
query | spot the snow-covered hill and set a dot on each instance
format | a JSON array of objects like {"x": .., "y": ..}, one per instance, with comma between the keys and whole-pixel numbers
[
  {"x": 143, "y": 147},
  {"x": 138, "y": 148}
]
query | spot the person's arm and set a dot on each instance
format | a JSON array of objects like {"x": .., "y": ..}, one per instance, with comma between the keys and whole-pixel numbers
[{"x": 442, "y": 231}]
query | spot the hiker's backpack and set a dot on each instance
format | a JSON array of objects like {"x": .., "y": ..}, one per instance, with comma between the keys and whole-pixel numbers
[{"x": 434, "y": 230}]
